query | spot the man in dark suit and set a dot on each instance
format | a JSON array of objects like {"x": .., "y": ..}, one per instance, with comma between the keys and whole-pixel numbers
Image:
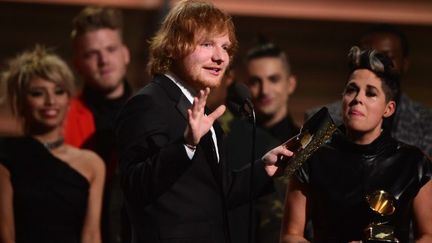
[{"x": 175, "y": 179}]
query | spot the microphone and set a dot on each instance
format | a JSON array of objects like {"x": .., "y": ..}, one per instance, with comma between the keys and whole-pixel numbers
[
  {"x": 239, "y": 100},
  {"x": 240, "y": 104}
]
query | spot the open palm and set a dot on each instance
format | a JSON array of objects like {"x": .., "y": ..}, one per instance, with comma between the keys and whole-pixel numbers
[{"x": 198, "y": 122}]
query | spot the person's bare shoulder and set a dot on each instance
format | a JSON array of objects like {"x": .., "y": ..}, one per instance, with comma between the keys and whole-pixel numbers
[{"x": 87, "y": 162}]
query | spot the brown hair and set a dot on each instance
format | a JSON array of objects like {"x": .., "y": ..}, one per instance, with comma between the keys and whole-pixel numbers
[
  {"x": 36, "y": 63},
  {"x": 94, "y": 18},
  {"x": 176, "y": 37}
]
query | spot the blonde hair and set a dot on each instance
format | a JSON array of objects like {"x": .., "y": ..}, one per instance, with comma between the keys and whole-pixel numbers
[
  {"x": 176, "y": 37},
  {"x": 36, "y": 63}
]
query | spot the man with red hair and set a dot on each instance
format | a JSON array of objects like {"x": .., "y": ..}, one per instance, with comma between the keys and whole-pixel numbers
[{"x": 174, "y": 175}]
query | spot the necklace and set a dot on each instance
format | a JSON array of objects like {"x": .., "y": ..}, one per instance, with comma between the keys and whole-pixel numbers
[{"x": 55, "y": 144}]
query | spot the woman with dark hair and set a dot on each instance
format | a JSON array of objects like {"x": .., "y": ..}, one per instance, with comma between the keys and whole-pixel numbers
[
  {"x": 341, "y": 186},
  {"x": 50, "y": 191}
]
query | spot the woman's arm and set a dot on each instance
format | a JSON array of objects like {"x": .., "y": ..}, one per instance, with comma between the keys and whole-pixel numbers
[
  {"x": 422, "y": 211},
  {"x": 91, "y": 229},
  {"x": 7, "y": 225},
  {"x": 294, "y": 219}
]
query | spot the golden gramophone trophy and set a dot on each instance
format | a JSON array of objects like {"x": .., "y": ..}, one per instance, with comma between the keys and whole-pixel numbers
[{"x": 382, "y": 205}]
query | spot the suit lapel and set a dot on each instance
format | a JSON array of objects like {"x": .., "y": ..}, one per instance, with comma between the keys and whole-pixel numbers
[
  {"x": 183, "y": 105},
  {"x": 174, "y": 93}
]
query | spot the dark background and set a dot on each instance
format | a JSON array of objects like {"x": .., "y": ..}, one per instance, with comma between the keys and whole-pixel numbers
[{"x": 316, "y": 48}]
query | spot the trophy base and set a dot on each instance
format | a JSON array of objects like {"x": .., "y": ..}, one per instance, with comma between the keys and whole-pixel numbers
[{"x": 380, "y": 234}]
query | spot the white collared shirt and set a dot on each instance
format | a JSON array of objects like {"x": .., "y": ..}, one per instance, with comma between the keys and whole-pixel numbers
[{"x": 189, "y": 93}]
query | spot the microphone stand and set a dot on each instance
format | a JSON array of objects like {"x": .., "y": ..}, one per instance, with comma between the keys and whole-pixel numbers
[{"x": 252, "y": 118}]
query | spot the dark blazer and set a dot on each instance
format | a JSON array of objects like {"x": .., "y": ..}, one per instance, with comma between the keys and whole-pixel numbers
[{"x": 169, "y": 197}]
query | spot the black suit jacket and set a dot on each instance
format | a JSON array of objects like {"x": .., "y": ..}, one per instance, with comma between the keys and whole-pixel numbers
[{"x": 169, "y": 197}]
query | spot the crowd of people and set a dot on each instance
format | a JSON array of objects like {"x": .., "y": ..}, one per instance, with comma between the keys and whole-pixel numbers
[{"x": 171, "y": 162}]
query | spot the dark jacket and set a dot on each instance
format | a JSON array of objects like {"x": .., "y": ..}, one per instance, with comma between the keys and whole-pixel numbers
[
  {"x": 170, "y": 198},
  {"x": 340, "y": 175}
]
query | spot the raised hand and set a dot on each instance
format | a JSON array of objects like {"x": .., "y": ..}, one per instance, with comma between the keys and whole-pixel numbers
[{"x": 198, "y": 122}]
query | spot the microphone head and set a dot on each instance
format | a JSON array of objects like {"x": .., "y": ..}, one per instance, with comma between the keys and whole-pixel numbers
[
  {"x": 238, "y": 96},
  {"x": 239, "y": 93}
]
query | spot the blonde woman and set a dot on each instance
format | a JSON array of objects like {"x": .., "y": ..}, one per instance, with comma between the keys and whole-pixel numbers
[{"x": 50, "y": 191}]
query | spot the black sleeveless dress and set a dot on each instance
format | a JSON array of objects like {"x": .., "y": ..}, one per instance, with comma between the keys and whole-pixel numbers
[
  {"x": 340, "y": 175},
  {"x": 49, "y": 197}
]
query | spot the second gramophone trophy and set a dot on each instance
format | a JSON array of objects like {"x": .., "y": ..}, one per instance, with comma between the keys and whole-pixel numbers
[{"x": 382, "y": 205}]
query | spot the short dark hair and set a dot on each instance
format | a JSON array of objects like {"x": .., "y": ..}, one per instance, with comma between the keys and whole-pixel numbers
[
  {"x": 94, "y": 18},
  {"x": 380, "y": 65},
  {"x": 393, "y": 30},
  {"x": 268, "y": 49}
]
